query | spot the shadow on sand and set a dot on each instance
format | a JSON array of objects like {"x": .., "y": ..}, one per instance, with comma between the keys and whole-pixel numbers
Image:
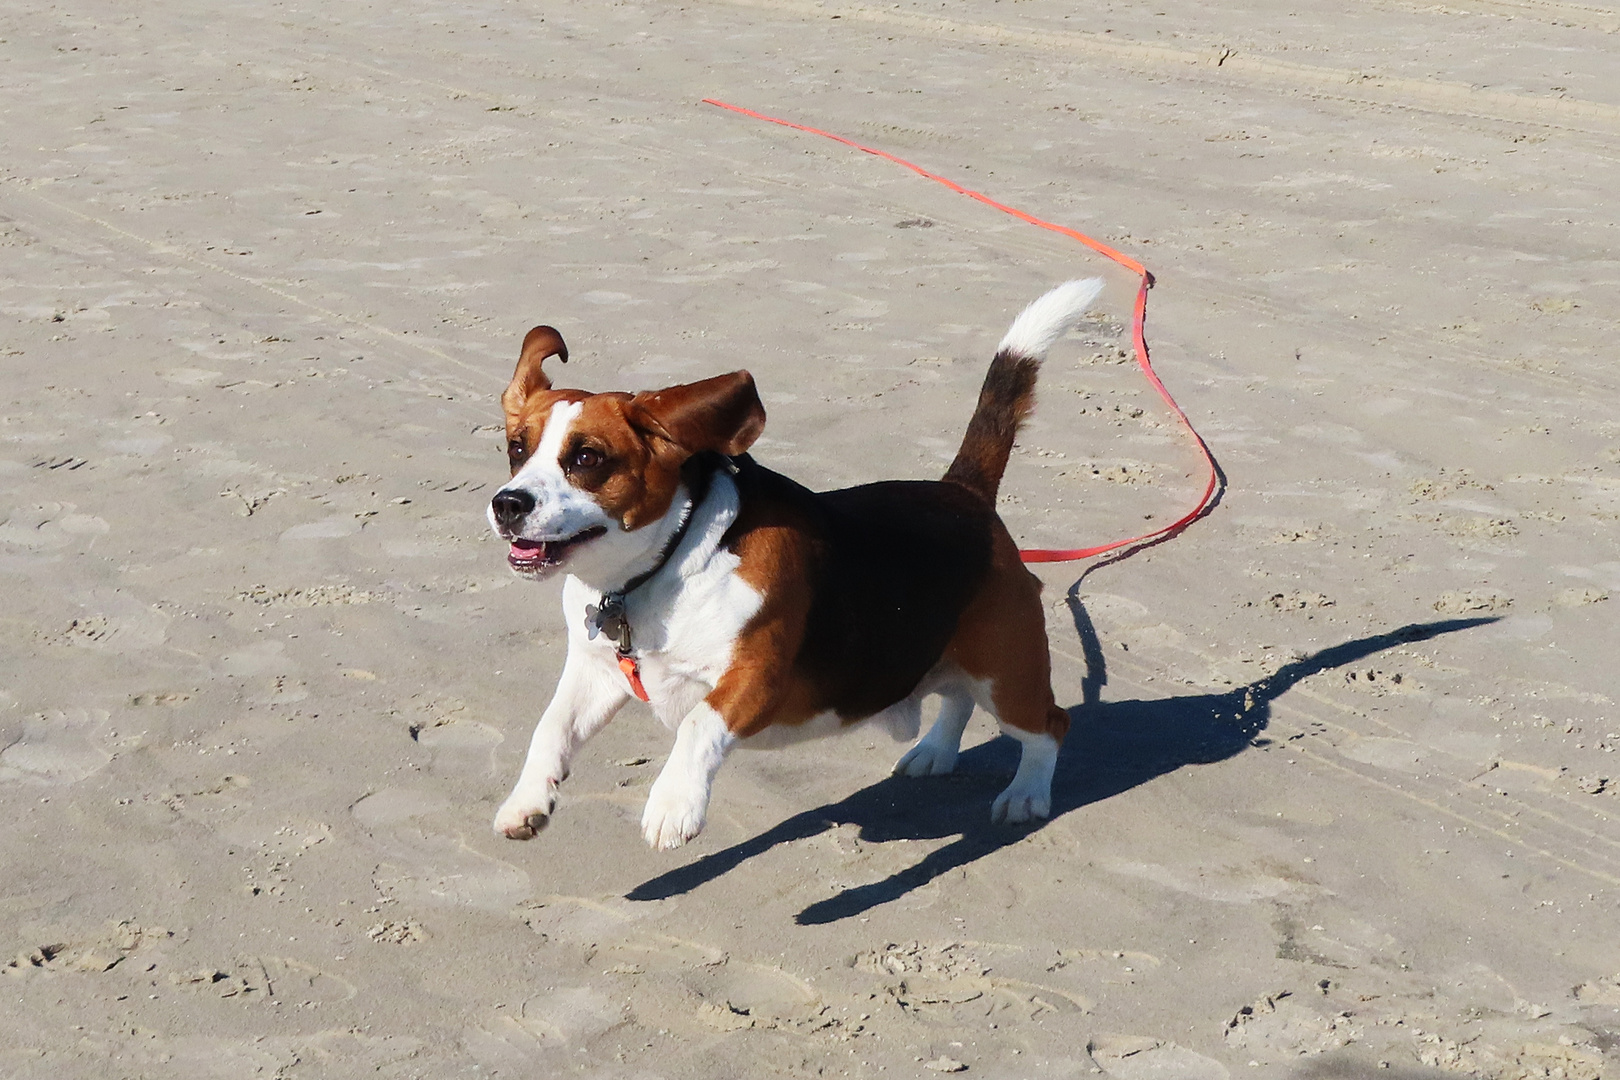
[{"x": 1112, "y": 747}]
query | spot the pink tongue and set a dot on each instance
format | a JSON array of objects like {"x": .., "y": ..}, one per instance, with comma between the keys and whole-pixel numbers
[{"x": 527, "y": 551}]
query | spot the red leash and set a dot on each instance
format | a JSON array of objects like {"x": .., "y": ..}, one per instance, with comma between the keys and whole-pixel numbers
[{"x": 1138, "y": 332}]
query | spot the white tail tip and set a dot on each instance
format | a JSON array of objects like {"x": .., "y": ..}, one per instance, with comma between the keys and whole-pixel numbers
[{"x": 1039, "y": 326}]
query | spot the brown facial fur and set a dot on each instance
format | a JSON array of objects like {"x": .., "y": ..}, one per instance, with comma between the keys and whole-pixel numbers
[{"x": 633, "y": 446}]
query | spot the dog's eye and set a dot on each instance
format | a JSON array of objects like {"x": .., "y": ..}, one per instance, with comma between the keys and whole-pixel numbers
[
  {"x": 516, "y": 451},
  {"x": 586, "y": 458}
]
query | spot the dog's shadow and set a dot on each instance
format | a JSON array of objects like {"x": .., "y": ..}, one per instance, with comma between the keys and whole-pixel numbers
[{"x": 1111, "y": 747}]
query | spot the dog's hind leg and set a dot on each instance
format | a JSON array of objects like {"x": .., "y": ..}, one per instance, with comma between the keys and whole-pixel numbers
[
  {"x": 1029, "y": 796},
  {"x": 935, "y": 753},
  {"x": 1020, "y": 698},
  {"x": 1000, "y": 644}
]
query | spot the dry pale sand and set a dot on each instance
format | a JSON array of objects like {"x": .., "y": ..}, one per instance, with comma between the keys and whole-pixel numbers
[{"x": 264, "y": 269}]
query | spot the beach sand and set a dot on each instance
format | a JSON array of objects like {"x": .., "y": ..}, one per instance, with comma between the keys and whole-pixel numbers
[{"x": 1341, "y": 798}]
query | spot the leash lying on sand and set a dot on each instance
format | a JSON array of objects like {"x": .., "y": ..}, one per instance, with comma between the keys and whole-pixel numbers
[{"x": 1138, "y": 336}]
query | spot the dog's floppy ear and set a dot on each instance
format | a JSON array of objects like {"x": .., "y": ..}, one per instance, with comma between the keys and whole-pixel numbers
[
  {"x": 722, "y": 414},
  {"x": 538, "y": 344}
]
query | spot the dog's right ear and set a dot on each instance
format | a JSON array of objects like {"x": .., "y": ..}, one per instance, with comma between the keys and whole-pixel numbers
[
  {"x": 722, "y": 414},
  {"x": 539, "y": 344}
]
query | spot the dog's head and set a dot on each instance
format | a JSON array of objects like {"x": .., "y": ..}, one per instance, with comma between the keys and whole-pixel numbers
[{"x": 590, "y": 472}]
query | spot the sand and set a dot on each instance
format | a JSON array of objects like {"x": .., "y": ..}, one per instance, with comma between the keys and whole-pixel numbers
[{"x": 264, "y": 675}]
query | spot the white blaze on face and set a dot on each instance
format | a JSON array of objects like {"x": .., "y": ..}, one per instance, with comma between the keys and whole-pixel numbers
[{"x": 561, "y": 510}]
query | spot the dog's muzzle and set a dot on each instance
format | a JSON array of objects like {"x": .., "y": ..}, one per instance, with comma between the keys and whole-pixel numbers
[{"x": 509, "y": 507}]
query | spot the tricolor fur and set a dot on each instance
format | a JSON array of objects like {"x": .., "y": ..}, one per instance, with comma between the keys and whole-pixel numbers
[{"x": 774, "y": 613}]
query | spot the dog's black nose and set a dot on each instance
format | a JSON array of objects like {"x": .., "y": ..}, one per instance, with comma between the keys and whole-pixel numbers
[{"x": 511, "y": 506}]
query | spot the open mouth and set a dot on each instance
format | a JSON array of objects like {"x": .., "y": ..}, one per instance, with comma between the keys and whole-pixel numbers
[{"x": 541, "y": 555}]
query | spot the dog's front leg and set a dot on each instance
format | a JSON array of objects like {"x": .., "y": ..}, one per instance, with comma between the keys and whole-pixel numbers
[
  {"x": 679, "y": 801},
  {"x": 588, "y": 695}
]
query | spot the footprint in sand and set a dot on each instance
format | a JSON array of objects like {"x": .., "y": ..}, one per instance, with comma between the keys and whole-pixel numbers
[
  {"x": 217, "y": 982},
  {"x": 337, "y": 1053},
  {"x": 111, "y": 621},
  {"x": 1395, "y": 755},
  {"x": 951, "y": 983},
  {"x": 48, "y": 527},
  {"x": 1600, "y": 991},
  {"x": 264, "y": 658},
  {"x": 295, "y": 981},
  {"x": 1482, "y": 990},
  {"x": 1223, "y": 884},
  {"x": 1142, "y": 1057},
  {"x": 280, "y": 690},
  {"x": 94, "y": 952},
  {"x": 266, "y": 662},
  {"x": 607, "y": 929},
  {"x": 1330, "y": 935},
  {"x": 1279, "y": 1025},
  {"x": 578, "y": 920},
  {"x": 758, "y": 992},
  {"x": 670, "y": 982},
  {"x": 460, "y": 747},
  {"x": 428, "y": 867},
  {"x": 262, "y": 978},
  {"x": 60, "y": 747},
  {"x": 206, "y": 1058},
  {"x": 514, "y": 1038}
]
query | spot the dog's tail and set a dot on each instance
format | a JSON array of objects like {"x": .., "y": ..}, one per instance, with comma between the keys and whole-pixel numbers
[{"x": 1008, "y": 395}]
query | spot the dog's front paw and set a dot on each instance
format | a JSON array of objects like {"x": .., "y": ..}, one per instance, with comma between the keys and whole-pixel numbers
[
  {"x": 521, "y": 826},
  {"x": 675, "y": 814},
  {"x": 926, "y": 759},
  {"x": 522, "y": 815},
  {"x": 1017, "y": 805}
]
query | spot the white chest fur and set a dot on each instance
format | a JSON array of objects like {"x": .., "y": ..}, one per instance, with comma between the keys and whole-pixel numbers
[{"x": 686, "y": 620}]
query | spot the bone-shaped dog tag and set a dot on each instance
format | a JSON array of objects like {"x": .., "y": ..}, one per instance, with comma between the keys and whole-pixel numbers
[{"x": 608, "y": 620}]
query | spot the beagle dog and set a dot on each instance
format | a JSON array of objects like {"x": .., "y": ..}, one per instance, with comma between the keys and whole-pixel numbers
[{"x": 749, "y": 611}]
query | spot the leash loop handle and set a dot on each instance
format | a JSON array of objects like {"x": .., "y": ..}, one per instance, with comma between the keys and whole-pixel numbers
[{"x": 1138, "y": 333}]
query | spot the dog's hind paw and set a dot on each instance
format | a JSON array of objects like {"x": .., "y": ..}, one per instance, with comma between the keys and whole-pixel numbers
[
  {"x": 926, "y": 759},
  {"x": 1014, "y": 807}
]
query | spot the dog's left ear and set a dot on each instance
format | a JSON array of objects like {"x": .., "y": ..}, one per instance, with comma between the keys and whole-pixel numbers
[
  {"x": 539, "y": 344},
  {"x": 722, "y": 414}
]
